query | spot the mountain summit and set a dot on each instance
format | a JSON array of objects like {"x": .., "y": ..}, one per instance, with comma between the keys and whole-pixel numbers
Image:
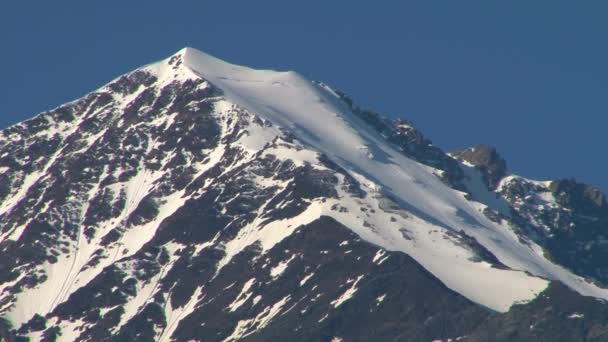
[{"x": 193, "y": 199}]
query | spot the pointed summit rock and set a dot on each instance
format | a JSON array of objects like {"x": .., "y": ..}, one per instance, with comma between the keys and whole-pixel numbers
[{"x": 487, "y": 159}]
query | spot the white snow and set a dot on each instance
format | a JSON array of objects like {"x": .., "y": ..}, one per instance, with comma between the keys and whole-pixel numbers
[
  {"x": 70, "y": 330},
  {"x": 479, "y": 190},
  {"x": 305, "y": 279},
  {"x": 242, "y": 297},
  {"x": 144, "y": 296},
  {"x": 71, "y": 272},
  {"x": 175, "y": 315},
  {"x": 380, "y": 299},
  {"x": 378, "y": 256},
  {"x": 268, "y": 235},
  {"x": 348, "y": 294},
  {"x": 256, "y": 300},
  {"x": 319, "y": 119},
  {"x": 278, "y": 270},
  {"x": 247, "y": 327}
]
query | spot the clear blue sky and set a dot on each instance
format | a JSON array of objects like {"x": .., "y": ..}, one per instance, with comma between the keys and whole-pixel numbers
[{"x": 529, "y": 77}]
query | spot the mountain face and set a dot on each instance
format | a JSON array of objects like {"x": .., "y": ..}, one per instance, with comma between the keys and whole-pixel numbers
[{"x": 193, "y": 199}]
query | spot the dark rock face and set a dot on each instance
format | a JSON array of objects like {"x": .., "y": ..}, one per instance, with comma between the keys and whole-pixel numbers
[
  {"x": 567, "y": 218},
  {"x": 580, "y": 240},
  {"x": 583, "y": 199},
  {"x": 308, "y": 294},
  {"x": 487, "y": 159},
  {"x": 149, "y": 210},
  {"x": 558, "y": 315}
]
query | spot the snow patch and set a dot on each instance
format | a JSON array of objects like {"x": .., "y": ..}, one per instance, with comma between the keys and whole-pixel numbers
[
  {"x": 305, "y": 279},
  {"x": 348, "y": 294},
  {"x": 242, "y": 297},
  {"x": 247, "y": 327},
  {"x": 276, "y": 271}
]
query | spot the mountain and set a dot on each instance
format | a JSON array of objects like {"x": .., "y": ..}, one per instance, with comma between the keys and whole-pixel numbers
[{"x": 193, "y": 199}]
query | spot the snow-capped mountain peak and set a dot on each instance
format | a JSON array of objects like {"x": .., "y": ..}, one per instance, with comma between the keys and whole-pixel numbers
[
  {"x": 193, "y": 186},
  {"x": 317, "y": 117}
]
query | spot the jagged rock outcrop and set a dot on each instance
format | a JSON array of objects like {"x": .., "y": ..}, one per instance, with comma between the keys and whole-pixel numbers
[{"x": 487, "y": 159}]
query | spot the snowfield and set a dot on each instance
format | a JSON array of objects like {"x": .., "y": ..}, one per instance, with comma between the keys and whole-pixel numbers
[{"x": 317, "y": 117}]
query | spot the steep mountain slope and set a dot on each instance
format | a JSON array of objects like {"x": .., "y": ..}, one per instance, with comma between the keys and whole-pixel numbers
[
  {"x": 568, "y": 219},
  {"x": 196, "y": 199}
]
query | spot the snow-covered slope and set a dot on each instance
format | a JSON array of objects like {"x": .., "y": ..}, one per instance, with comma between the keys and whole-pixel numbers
[
  {"x": 182, "y": 189},
  {"x": 315, "y": 115}
]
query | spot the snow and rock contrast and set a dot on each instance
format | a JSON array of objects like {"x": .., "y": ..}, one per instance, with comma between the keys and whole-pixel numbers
[{"x": 193, "y": 199}]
